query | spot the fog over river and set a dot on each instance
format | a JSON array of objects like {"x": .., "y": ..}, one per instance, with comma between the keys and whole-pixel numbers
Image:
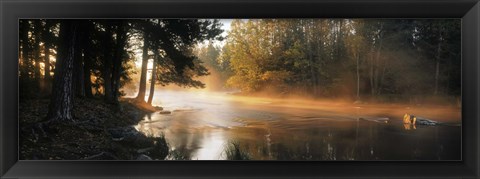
[{"x": 201, "y": 124}]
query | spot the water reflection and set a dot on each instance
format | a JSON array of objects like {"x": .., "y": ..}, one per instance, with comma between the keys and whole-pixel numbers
[
  {"x": 201, "y": 125},
  {"x": 212, "y": 147}
]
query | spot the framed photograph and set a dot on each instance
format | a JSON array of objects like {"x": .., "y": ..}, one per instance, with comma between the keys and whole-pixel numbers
[{"x": 244, "y": 89}]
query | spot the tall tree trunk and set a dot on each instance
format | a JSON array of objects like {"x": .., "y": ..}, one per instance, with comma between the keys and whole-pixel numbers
[
  {"x": 117, "y": 63},
  {"x": 358, "y": 76},
  {"x": 78, "y": 64},
  {"x": 437, "y": 63},
  {"x": 153, "y": 79},
  {"x": 340, "y": 39},
  {"x": 46, "y": 87},
  {"x": 143, "y": 75},
  {"x": 87, "y": 66},
  {"x": 107, "y": 65},
  {"x": 374, "y": 79},
  {"x": 87, "y": 62},
  {"x": 309, "y": 41},
  {"x": 61, "y": 102},
  {"x": 376, "y": 70},
  {"x": 36, "y": 56},
  {"x": 46, "y": 41},
  {"x": 382, "y": 75},
  {"x": 372, "y": 85},
  {"x": 37, "y": 29},
  {"x": 437, "y": 74},
  {"x": 319, "y": 52},
  {"x": 25, "y": 27}
]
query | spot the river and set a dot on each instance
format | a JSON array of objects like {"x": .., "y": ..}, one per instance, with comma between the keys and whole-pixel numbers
[{"x": 201, "y": 124}]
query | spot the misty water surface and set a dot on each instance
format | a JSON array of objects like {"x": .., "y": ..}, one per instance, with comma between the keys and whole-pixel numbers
[{"x": 201, "y": 124}]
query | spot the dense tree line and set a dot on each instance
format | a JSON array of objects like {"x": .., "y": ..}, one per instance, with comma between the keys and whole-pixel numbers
[
  {"x": 67, "y": 59},
  {"x": 357, "y": 58}
]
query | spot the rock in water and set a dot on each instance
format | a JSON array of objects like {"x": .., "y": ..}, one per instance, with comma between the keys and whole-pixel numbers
[
  {"x": 165, "y": 112},
  {"x": 427, "y": 122}
]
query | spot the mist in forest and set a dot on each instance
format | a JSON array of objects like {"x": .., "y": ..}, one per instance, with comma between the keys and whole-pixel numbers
[{"x": 241, "y": 89}]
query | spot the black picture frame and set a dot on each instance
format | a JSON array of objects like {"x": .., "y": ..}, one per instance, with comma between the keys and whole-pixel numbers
[{"x": 12, "y": 10}]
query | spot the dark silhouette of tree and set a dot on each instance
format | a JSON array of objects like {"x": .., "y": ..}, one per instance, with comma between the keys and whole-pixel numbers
[
  {"x": 143, "y": 72},
  {"x": 176, "y": 38},
  {"x": 25, "y": 48},
  {"x": 153, "y": 78},
  {"x": 107, "y": 62},
  {"x": 61, "y": 102},
  {"x": 118, "y": 57},
  {"x": 88, "y": 56},
  {"x": 37, "y": 29},
  {"x": 78, "y": 73}
]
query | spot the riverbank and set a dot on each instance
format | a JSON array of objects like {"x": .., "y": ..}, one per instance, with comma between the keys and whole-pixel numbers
[{"x": 100, "y": 131}]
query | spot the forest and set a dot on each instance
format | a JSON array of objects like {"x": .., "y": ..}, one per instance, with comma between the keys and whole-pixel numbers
[
  {"x": 94, "y": 59},
  {"x": 67, "y": 65},
  {"x": 380, "y": 59}
]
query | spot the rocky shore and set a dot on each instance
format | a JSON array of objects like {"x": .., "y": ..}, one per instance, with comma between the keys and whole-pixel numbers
[{"x": 100, "y": 131}]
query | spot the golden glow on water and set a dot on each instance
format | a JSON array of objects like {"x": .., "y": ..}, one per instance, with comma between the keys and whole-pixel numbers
[
  {"x": 212, "y": 147},
  {"x": 203, "y": 123}
]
